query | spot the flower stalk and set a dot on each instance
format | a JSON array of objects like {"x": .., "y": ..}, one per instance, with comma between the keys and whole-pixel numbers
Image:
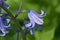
[{"x": 15, "y": 21}]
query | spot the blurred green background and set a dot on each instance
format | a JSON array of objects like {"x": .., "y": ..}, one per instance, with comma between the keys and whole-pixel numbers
[{"x": 51, "y": 27}]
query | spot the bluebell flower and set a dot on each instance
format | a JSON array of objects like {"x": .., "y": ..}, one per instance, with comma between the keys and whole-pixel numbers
[
  {"x": 4, "y": 25},
  {"x": 28, "y": 27},
  {"x": 4, "y": 4},
  {"x": 35, "y": 20}
]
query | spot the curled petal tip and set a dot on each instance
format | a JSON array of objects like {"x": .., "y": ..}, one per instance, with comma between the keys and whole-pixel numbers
[
  {"x": 8, "y": 20},
  {"x": 43, "y": 13},
  {"x": 2, "y": 34},
  {"x": 32, "y": 32},
  {"x": 27, "y": 24}
]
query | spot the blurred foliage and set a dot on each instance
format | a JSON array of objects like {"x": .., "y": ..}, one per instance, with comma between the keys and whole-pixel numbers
[{"x": 51, "y": 27}]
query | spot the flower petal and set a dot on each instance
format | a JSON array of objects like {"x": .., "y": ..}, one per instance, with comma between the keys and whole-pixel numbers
[
  {"x": 4, "y": 19},
  {"x": 7, "y": 26},
  {"x": 38, "y": 27},
  {"x": 35, "y": 13},
  {"x": 5, "y": 5},
  {"x": 37, "y": 19},
  {"x": 8, "y": 20},
  {"x": 42, "y": 13},
  {"x": 1, "y": 1},
  {"x": 4, "y": 31},
  {"x": 27, "y": 24},
  {"x": 2, "y": 34},
  {"x": 32, "y": 31},
  {"x": 31, "y": 20}
]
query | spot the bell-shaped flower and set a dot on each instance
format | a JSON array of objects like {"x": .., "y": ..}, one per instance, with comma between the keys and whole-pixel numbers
[
  {"x": 29, "y": 26},
  {"x": 4, "y": 25},
  {"x": 4, "y": 4},
  {"x": 35, "y": 20}
]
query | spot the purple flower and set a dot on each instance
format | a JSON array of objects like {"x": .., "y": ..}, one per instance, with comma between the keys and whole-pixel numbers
[
  {"x": 35, "y": 20},
  {"x": 28, "y": 27},
  {"x": 4, "y": 4},
  {"x": 4, "y": 25}
]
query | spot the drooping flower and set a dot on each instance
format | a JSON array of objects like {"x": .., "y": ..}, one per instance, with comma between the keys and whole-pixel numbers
[
  {"x": 35, "y": 20},
  {"x": 4, "y": 25},
  {"x": 28, "y": 26},
  {"x": 4, "y": 4}
]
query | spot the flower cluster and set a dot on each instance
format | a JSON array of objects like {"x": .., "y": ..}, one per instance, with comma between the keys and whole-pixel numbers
[
  {"x": 35, "y": 20},
  {"x": 4, "y": 24}
]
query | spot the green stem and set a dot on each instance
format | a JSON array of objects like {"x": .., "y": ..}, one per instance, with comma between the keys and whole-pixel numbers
[
  {"x": 19, "y": 11},
  {"x": 15, "y": 21}
]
